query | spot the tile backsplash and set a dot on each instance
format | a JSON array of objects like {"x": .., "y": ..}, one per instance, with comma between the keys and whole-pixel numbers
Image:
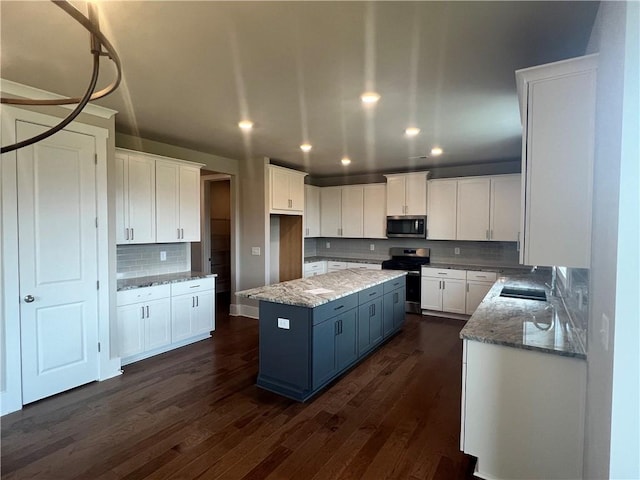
[
  {"x": 143, "y": 260},
  {"x": 575, "y": 293},
  {"x": 471, "y": 253}
]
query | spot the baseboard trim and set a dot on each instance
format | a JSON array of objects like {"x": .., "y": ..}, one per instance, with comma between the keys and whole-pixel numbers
[
  {"x": 455, "y": 316},
  {"x": 240, "y": 310}
]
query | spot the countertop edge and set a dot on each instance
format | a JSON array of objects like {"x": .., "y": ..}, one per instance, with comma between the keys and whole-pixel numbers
[{"x": 156, "y": 280}]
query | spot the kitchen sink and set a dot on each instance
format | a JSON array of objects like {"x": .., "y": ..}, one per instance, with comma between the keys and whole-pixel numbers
[{"x": 524, "y": 293}]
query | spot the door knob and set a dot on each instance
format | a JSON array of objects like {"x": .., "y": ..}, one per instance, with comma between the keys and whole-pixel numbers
[{"x": 29, "y": 298}]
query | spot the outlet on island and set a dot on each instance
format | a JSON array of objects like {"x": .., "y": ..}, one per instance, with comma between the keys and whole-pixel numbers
[
  {"x": 372, "y": 246},
  {"x": 163, "y": 256},
  {"x": 328, "y": 245},
  {"x": 456, "y": 251}
]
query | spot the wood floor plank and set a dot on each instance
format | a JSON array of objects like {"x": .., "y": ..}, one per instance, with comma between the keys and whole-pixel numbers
[{"x": 195, "y": 412}]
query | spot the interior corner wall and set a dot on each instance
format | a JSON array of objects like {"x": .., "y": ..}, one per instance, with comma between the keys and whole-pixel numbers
[
  {"x": 608, "y": 39},
  {"x": 252, "y": 228}
]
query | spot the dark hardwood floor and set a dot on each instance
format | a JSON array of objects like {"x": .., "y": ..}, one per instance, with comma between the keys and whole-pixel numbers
[{"x": 196, "y": 413}]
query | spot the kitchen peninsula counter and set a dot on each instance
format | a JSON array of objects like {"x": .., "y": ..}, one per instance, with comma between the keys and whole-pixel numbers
[{"x": 314, "y": 329}]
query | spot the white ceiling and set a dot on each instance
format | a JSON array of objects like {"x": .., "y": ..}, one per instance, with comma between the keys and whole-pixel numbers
[{"x": 192, "y": 70}]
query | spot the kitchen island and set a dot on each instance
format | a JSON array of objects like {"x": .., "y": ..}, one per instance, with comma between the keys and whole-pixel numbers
[
  {"x": 313, "y": 329},
  {"x": 523, "y": 385}
]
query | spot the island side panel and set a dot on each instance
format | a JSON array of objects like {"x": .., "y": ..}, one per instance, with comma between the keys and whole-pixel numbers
[{"x": 285, "y": 353}]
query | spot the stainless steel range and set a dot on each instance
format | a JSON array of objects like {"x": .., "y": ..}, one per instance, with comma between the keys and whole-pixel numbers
[{"x": 410, "y": 260}]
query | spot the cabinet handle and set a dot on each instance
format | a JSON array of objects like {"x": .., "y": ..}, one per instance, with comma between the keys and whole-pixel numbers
[
  {"x": 126, "y": 234},
  {"x": 467, "y": 288},
  {"x": 443, "y": 284},
  {"x": 182, "y": 233},
  {"x": 396, "y": 297},
  {"x": 147, "y": 311},
  {"x": 373, "y": 310},
  {"x": 197, "y": 301},
  {"x": 518, "y": 244},
  {"x": 338, "y": 308},
  {"x": 132, "y": 234},
  {"x": 142, "y": 308},
  {"x": 178, "y": 233},
  {"x": 335, "y": 328},
  {"x": 193, "y": 302}
]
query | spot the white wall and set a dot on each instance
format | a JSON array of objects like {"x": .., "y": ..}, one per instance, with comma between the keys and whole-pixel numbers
[{"x": 610, "y": 256}]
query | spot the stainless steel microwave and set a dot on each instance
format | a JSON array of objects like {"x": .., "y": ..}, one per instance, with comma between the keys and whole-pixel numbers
[{"x": 407, "y": 226}]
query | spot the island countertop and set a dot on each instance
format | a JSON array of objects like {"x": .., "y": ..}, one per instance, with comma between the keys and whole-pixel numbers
[
  {"x": 526, "y": 324},
  {"x": 311, "y": 292}
]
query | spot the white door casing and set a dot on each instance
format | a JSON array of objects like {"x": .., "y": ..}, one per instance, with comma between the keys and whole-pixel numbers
[{"x": 58, "y": 262}]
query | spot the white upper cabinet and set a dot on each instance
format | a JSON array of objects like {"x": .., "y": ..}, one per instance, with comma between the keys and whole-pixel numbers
[
  {"x": 375, "y": 207},
  {"x": 473, "y": 209},
  {"x": 177, "y": 202},
  {"x": 352, "y": 211},
  {"x": 135, "y": 198},
  {"x": 407, "y": 194},
  {"x": 505, "y": 208},
  {"x": 331, "y": 211},
  {"x": 311, "y": 211},
  {"x": 558, "y": 110},
  {"x": 441, "y": 219},
  {"x": 286, "y": 190}
]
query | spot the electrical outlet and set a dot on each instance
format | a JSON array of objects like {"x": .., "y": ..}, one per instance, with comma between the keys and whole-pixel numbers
[
  {"x": 456, "y": 251},
  {"x": 372, "y": 246},
  {"x": 328, "y": 245},
  {"x": 163, "y": 256},
  {"x": 255, "y": 251},
  {"x": 604, "y": 332},
  {"x": 283, "y": 323}
]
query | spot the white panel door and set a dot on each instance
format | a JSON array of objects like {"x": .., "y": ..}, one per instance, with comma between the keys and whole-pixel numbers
[
  {"x": 181, "y": 315},
  {"x": 476, "y": 291},
  {"x": 352, "y": 212},
  {"x": 131, "y": 320},
  {"x": 311, "y": 211},
  {"x": 189, "y": 204},
  {"x": 473, "y": 209},
  {"x": 58, "y": 262},
  {"x": 505, "y": 208},
  {"x": 416, "y": 194},
  {"x": 431, "y": 294},
  {"x": 330, "y": 212},
  {"x": 157, "y": 331},
  {"x": 167, "y": 202},
  {"x": 375, "y": 211},
  {"x": 122, "y": 198},
  {"x": 453, "y": 295},
  {"x": 296, "y": 191},
  {"x": 279, "y": 190},
  {"x": 202, "y": 314},
  {"x": 441, "y": 219}
]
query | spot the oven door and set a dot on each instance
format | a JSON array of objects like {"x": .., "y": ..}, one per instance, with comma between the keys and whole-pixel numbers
[{"x": 413, "y": 292}]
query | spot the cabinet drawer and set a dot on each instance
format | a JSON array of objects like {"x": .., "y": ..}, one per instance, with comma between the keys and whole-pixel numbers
[
  {"x": 394, "y": 284},
  {"x": 336, "y": 265},
  {"x": 314, "y": 267},
  {"x": 334, "y": 308},
  {"x": 364, "y": 266},
  {"x": 370, "y": 294},
  {"x": 192, "y": 286},
  {"x": 444, "y": 273},
  {"x": 482, "y": 276},
  {"x": 144, "y": 294}
]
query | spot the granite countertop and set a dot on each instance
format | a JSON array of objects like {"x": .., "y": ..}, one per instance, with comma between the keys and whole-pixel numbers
[
  {"x": 526, "y": 324},
  {"x": 329, "y": 287},
  {"x": 507, "y": 269},
  {"x": 153, "y": 280},
  {"x": 342, "y": 259}
]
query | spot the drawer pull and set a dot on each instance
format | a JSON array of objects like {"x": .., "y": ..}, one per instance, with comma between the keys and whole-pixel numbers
[
  {"x": 194, "y": 286},
  {"x": 442, "y": 273},
  {"x": 372, "y": 294},
  {"x": 338, "y": 308}
]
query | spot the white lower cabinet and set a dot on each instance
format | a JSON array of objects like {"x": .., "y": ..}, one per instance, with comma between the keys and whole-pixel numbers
[
  {"x": 515, "y": 427},
  {"x": 478, "y": 285},
  {"x": 153, "y": 320},
  {"x": 443, "y": 290},
  {"x": 312, "y": 269}
]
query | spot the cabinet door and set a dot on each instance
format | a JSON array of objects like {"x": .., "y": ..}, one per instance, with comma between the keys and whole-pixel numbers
[
  {"x": 330, "y": 211},
  {"x": 181, "y": 317},
  {"x": 476, "y": 291},
  {"x": 505, "y": 208},
  {"x": 279, "y": 189},
  {"x": 130, "y": 329},
  {"x": 387, "y": 314},
  {"x": 441, "y": 219},
  {"x": 311, "y": 211},
  {"x": 395, "y": 196},
  {"x": 323, "y": 364},
  {"x": 203, "y": 319},
  {"x": 431, "y": 294},
  {"x": 453, "y": 296},
  {"x": 398, "y": 298},
  {"x": 473, "y": 209},
  {"x": 416, "y": 194},
  {"x": 370, "y": 318},
  {"x": 142, "y": 199},
  {"x": 296, "y": 192},
  {"x": 167, "y": 202},
  {"x": 157, "y": 331},
  {"x": 375, "y": 211},
  {"x": 352, "y": 212},
  {"x": 346, "y": 341},
  {"x": 122, "y": 198},
  {"x": 189, "y": 204},
  {"x": 559, "y": 170}
]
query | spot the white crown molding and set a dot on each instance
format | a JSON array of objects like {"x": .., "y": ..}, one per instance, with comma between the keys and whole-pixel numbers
[{"x": 25, "y": 91}]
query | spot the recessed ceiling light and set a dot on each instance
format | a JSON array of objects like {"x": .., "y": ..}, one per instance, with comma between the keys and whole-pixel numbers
[
  {"x": 246, "y": 125},
  {"x": 345, "y": 161},
  {"x": 435, "y": 151},
  {"x": 412, "y": 131},
  {"x": 370, "y": 97},
  {"x": 305, "y": 147}
]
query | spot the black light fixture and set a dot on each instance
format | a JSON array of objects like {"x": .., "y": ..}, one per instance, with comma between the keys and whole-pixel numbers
[{"x": 98, "y": 41}]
